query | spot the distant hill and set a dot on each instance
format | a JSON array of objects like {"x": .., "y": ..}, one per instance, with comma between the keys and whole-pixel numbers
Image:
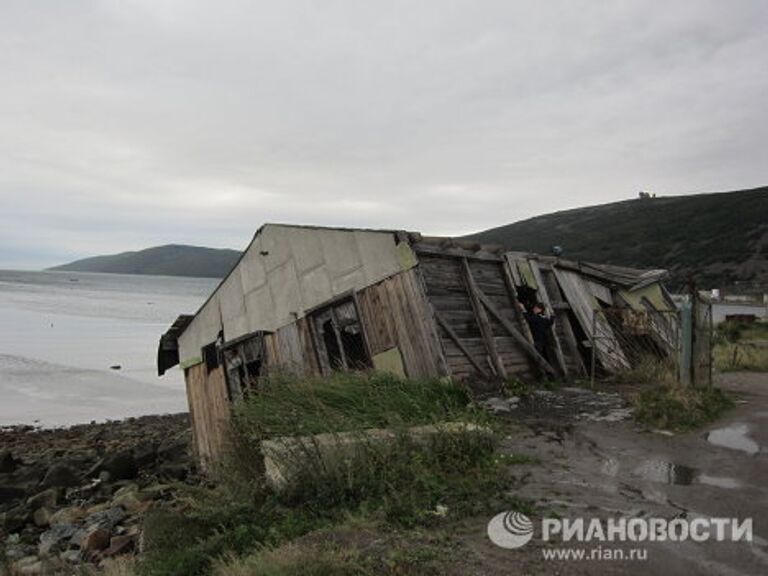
[
  {"x": 170, "y": 260},
  {"x": 720, "y": 238}
]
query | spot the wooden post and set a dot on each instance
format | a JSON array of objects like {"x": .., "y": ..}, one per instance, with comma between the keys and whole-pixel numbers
[
  {"x": 686, "y": 349},
  {"x": 483, "y": 322}
]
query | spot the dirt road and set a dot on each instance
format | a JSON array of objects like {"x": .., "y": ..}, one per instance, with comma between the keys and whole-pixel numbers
[{"x": 614, "y": 469}]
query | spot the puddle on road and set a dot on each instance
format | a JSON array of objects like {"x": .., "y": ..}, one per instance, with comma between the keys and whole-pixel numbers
[
  {"x": 664, "y": 472},
  {"x": 718, "y": 481},
  {"x": 734, "y": 437}
]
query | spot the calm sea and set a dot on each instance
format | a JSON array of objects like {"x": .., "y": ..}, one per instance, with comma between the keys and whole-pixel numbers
[{"x": 61, "y": 332}]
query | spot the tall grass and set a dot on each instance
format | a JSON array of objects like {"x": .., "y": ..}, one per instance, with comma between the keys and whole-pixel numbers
[
  {"x": 292, "y": 560},
  {"x": 741, "y": 346},
  {"x": 404, "y": 481},
  {"x": 676, "y": 407},
  {"x": 748, "y": 356},
  {"x": 286, "y": 405}
]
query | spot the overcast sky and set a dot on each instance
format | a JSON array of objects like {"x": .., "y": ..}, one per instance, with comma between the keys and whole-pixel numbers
[{"x": 131, "y": 123}]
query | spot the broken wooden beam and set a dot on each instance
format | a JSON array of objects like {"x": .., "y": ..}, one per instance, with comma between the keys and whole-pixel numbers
[
  {"x": 456, "y": 340},
  {"x": 540, "y": 361}
]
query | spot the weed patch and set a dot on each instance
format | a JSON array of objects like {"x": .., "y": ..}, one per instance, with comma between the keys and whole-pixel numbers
[
  {"x": 403, "y": 482},
  {"x": 675, "y": 407}
]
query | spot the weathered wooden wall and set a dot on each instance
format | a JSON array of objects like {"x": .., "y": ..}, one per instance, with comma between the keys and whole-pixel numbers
[
  {"x": 291, "y": 349},
  {"x": 395, "y": 313},
  {"x": 448, "y": 291},
  {"x": 208, "y": 410}
]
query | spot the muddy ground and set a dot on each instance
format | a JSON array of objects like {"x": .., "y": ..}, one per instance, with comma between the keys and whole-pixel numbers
[{"x": 597, "y": 464}]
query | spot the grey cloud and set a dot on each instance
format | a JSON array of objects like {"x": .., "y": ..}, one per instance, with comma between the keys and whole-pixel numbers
[{"x": 132, "y": 123}]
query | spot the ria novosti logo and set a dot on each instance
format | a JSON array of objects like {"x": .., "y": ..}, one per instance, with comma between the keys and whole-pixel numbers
[{"x": 510, "y": 530}]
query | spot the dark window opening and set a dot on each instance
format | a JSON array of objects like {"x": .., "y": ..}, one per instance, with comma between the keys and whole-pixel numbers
[
  {"x": 332, "y": 346},
  {"x": 243, "y": 363},
  {"x": 211, "y": 356},
  {"x": 354, "y": 347},
  {"x": 339, "y": 337}
]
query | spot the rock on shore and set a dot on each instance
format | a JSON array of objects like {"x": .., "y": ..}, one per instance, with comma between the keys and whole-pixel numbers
[{"x": 74, "y": 495}]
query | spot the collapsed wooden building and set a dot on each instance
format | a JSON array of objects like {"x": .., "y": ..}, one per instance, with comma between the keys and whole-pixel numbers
[{"x": 312, "y": 300}]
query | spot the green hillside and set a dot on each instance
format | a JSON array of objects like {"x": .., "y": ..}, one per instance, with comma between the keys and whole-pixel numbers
[
  {"x": 722, "y": 239},
  {"x": 170, "y": 260}
]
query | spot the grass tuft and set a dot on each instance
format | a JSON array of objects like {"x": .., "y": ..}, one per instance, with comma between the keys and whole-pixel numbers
[
  {"x": 741, "y": 346},
  {"x": 675, "y": 407},
  {"x": 291, "y": 560}
]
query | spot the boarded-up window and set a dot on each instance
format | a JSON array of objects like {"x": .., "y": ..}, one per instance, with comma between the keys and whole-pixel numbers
[{"x": 339, "y": 337}]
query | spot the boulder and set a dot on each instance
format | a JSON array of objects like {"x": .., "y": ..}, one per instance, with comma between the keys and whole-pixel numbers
[
  {"x": 56, "y": 539},
  {"x": 99, "y": 508},
  {"x": 47, "y": 498},
  {"x": 60, "y": 475},
  {"x": 95, "y": 540},
  {"x": 120, "y": 466},
  {"x": 15, "y": 519},
  {"x": 28, "y": 476},
  {"x": 42, "y": 517},
  {"x": 8, "y": 463},
  {"x": 132, "y": 502},
  {"x": 68, "y": 515},
  {"x": 17, "y": 550},
  {"x": 71, "y": 556},
  {"x": 120, "y": 545},
  {"x": 172, "y": 450},
  {"x": 145, "y": 455},
  {"x": 173, "y": 471},
  {"x": 129, "y": 488},
  {"x": 30, "y": 566},
  {"x": 11, "y": 493},
  {"x": 106, "y": 519}
]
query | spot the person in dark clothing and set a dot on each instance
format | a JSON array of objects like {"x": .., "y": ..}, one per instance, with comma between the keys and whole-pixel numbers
[{"x": 540, "y": 324}]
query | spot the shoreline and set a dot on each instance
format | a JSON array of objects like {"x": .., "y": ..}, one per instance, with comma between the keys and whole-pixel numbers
[{"x": 78, "y": 494}]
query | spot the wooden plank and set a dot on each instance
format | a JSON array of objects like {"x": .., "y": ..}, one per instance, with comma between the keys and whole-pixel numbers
[
  {"x": 583, "y": 303},
  {"x": 508, "y": 270},
  {"x": 311, "y": 362},
  {"x": 513, "y": 270},
  {"x": 457, "y": 341},
  {"x": 600, "y": 291},
  {"x": 431, "y": 331},
  {"x": 209, "y": 412},
  {"x": 564, "y": 318},
  {"x": 428, "y": 328},
  {"x": 521, "y": 340},
  {"x": 544, "y": 298},
  {"x": 483, "y": 322}
]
